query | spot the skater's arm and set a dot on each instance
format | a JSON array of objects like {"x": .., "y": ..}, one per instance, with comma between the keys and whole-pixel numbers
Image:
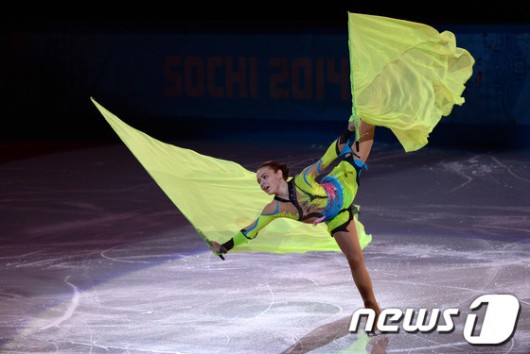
[
  {"x": 269, "y": 213},
  {"x": 330, "y": 155}
]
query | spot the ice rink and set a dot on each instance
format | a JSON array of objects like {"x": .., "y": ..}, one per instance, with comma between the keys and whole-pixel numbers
[{"x": 94, "y": 258}]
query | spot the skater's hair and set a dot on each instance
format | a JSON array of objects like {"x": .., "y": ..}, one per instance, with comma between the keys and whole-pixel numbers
[{"x": 275, "y": 166}]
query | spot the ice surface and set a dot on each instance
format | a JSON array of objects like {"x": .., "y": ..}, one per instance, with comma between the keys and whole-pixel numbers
[{"x": 95, "y": 259}]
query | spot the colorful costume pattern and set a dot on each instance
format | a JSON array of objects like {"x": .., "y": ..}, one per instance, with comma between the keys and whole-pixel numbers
[{"x": 310, "y": 201}]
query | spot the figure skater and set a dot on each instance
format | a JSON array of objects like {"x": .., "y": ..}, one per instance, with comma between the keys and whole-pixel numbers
[{"x": 318, "y": 195}]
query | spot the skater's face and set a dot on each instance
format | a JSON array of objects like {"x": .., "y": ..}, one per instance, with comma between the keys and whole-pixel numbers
[{"x": 269, "y": 180}]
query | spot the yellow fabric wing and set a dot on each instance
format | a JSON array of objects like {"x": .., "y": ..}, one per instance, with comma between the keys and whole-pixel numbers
[
  {"x": 404, "y": 75},
  {"x": 219, "y": 197}
]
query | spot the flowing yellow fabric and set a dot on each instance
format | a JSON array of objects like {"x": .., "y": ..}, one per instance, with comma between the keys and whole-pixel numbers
[
  {"x": 404, "y": 75},
  {"x": 220, "y": 197}
]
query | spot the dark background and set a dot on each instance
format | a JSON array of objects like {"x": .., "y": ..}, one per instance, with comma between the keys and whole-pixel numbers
[
  {"x": 31, "y": 124},
  {"x": 146, "y": 16}
]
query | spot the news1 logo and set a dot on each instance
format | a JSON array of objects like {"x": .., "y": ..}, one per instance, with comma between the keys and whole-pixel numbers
[{"x": 496, "y": 327}]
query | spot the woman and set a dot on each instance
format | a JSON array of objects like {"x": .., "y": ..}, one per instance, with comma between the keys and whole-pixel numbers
[{"x": 314, "y": 196}]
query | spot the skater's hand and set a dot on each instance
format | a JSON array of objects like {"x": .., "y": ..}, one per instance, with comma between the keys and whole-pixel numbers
[
  {"x": 218, "y": 248},
  {"x": 351, "y": 126}
]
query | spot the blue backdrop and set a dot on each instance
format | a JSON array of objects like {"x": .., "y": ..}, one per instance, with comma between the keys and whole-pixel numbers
[{"x": 282, "y": 75}]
